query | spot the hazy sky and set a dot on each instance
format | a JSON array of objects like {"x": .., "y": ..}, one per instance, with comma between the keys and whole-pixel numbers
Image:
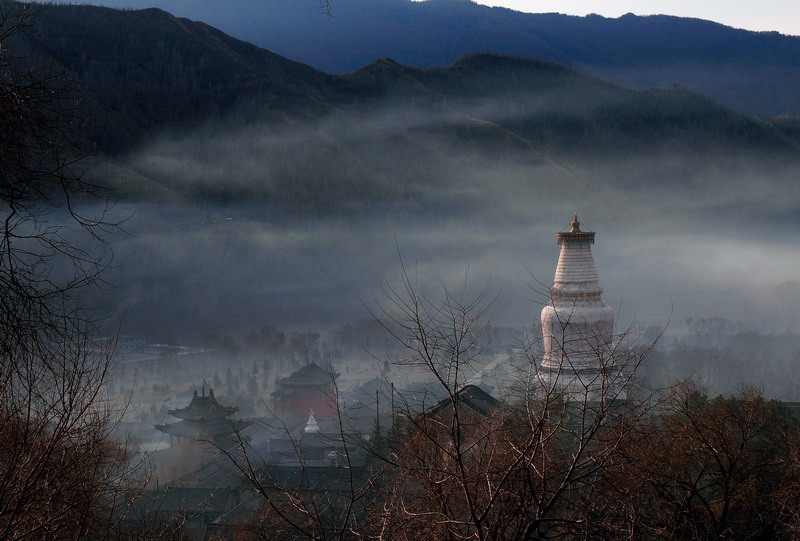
[{"x": 780, "y": 15}]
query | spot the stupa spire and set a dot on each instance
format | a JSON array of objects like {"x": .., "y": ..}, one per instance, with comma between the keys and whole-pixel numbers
[{"x": 576, "y": 224}]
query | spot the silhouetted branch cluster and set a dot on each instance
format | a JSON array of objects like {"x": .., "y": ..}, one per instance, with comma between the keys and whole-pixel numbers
[{"x": 60, "y": 466}]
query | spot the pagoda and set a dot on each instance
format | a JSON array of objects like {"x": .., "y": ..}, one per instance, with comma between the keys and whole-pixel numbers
[
  {"x": 203, "y": 419},
  {"x": 577, "y": 326}
]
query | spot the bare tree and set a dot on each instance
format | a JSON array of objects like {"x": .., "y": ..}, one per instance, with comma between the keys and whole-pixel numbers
[
  {"x": 60, "y": 466},
  {"x": 461, "y": 464},
  {"x": 525, "y": 467}
]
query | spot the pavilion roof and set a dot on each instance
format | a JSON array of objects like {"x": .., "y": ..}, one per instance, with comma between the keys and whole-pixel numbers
[{"x": 204, "y": 407}]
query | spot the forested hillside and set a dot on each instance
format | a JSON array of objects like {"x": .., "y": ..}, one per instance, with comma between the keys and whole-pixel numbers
[
  {"x": 384, "y": 132},
  {"x": 143, "y": 71}
]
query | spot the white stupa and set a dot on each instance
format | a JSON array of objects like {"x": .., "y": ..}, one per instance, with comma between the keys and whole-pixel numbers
[
  {"x": 312, "y": 427},
  {"x": 577, "y": 326}
]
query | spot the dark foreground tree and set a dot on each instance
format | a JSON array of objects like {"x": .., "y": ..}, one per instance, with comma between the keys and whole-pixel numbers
[
  {"x": 60, "y": 467},
  {"x": 523, "y": 467}
]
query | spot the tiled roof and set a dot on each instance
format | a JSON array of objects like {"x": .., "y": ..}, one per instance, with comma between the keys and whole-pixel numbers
[
  {"x": 310, "y": 374},
  {"x": 470, "y": 396}
]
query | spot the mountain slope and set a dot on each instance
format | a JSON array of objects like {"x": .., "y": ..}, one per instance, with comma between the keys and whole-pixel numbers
[
  {"x": 146, "y": 70},
  {"x": 756, "y": 73}
]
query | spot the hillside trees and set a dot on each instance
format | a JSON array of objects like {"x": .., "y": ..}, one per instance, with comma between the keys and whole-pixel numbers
[
  {"x": 59, "y": 465},
  {"x": 712, "y": 468}
]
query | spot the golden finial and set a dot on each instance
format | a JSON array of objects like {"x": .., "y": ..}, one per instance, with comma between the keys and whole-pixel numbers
[{"x": 576, "y": 225}]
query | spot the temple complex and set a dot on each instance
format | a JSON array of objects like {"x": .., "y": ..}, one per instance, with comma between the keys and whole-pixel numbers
[
  {"x": 203, "y": 419},
  {"x": 577, "y": 326}
]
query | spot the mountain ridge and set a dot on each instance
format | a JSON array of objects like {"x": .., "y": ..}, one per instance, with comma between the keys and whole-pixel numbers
[{"x": 756, "y": 73}]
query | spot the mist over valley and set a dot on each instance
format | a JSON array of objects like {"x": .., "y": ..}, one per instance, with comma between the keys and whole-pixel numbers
[{"x": 277, "y": 194}]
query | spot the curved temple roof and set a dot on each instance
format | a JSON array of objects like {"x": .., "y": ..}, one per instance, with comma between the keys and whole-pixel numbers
[
  {"x": 204, "y": 407},
  {"x": 203, "y": 418}
]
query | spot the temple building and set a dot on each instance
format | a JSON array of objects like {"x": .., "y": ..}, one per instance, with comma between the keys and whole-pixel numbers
[
  {"x": 577, "y": 326},
  {"x": 320, "y": 464},
  {"x": 313, "y": 447},
  {"x": 203, "y": 419},
  {"x": 310, "y": 388}
]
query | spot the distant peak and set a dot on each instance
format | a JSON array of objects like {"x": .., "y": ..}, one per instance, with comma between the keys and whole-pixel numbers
[
  {"x": 494, "y": 59},
  {"x": 381, "y": 65}
]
